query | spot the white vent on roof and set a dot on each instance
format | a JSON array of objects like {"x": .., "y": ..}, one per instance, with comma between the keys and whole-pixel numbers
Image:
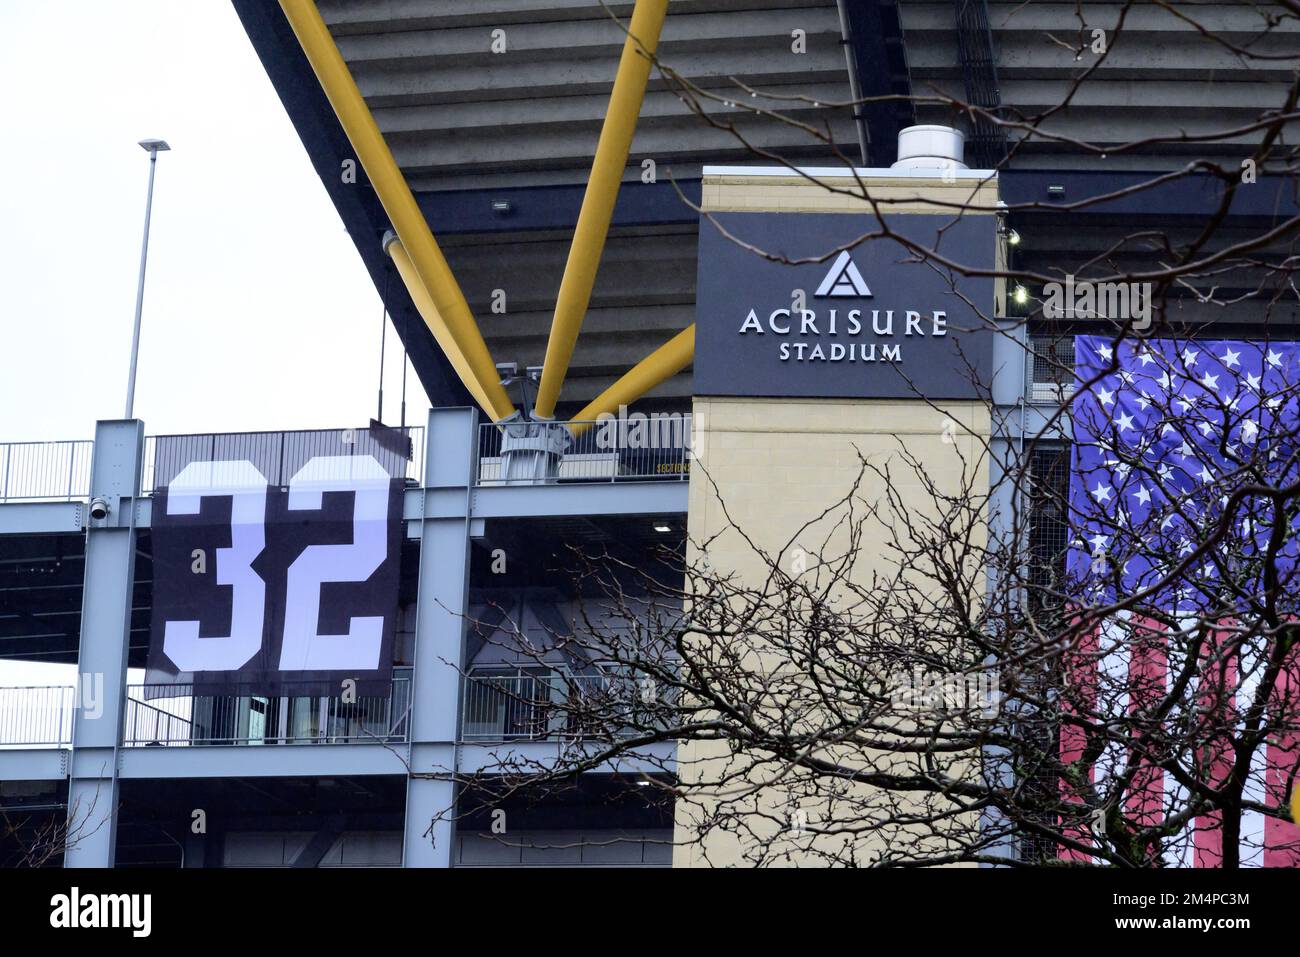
[{"x": 931, "y": 147}]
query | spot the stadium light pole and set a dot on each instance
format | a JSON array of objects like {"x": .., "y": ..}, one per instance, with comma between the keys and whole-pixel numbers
[{"x": 154, "y": 147}]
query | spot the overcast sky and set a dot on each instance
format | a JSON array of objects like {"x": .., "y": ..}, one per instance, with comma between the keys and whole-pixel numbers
[{"x": 258, "y": 313}]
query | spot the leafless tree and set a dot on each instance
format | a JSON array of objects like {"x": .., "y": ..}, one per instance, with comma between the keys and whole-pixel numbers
[
  {"x": 42, "y": 836},
  {"x": 1020, "y": 673}
]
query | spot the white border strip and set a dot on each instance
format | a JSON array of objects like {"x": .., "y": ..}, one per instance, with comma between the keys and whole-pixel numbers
[{"x": 841, "y": 172}]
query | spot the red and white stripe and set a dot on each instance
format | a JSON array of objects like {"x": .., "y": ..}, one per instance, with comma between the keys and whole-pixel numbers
[{"x": 1124, "y": 666}]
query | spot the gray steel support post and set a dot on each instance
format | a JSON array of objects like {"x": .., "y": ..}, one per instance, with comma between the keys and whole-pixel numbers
[
  {"x": 105, "y": 639},
  {"x": 450, "y": 468},
  {"x": 1009, "y": 392},
  {"x": 1006, "y": 513},
  {"x": 531, "y": 452}
]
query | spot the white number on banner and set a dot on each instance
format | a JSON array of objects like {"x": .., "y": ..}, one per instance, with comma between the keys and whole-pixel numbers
[
  {"x": 304, "y": 648},
  {"x": 246, "y": 487}
]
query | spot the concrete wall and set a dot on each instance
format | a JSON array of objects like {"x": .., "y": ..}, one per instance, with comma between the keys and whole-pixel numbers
[
  {"x": 1170, "y": 71},
  {"x": 565, "y": 848},
  {"x": 459, "y": 116},
  {"x": 894, "y": 191},
  {"x": 281, "y": 849},
  {"x": 776, "y": 464}
]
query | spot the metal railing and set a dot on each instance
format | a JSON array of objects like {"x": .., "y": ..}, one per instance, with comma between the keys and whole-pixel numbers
[
  {"x": 1050, "y": 361},
  {"x": 279, "y": 455},
  {"x": 45, "y": 471},
  {"x": 636, "y": 448},
  {"x": 166, "y": 715},
  {"x": 36, "y": 716},
  {"x": 519, "y": 706},
  {"x": 60, "y": 471},
  {"x": 570, "y": 847}
]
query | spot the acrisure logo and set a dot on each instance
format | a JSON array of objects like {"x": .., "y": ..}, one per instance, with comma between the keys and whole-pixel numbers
[
  {"x": 75, "y": 909},
  {"x": 841, "y": 333},
  {"x": 844, "y": 279}
]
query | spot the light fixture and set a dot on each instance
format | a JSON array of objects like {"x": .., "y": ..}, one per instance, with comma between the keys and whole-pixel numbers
[
  {"x": 1055, "y": 190},
  {"x": 153, "y": 148},
  {"x": 663, "y": 527},
  {"x": 501, "y": 206},
  {"x": 1013, "y": 238},
  {"x": 1020, "y": 295}
]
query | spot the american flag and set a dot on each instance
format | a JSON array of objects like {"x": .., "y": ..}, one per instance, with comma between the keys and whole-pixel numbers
[{"x": 1175, "y": 445}]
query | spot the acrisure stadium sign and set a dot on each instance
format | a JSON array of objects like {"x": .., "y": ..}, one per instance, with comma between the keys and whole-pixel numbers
[{"x": 873, "y": 321}]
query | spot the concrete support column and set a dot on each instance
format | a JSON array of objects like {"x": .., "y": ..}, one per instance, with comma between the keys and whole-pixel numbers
[
  {"x": 105, "y": 639},
  {"x": 1009, "y": 393},
  {"x": 445, "y": 531},
  {"x": 531, "y": 452},
  {"x": 1007, "y": 516}
]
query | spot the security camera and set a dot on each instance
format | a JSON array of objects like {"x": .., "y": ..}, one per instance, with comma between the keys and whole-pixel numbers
[{"x": 99, "y": 509}]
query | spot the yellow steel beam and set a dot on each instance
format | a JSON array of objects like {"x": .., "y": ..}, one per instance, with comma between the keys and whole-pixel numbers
[
  {"x": 598, "y": 201},
  {"x": 428, "y": 310},
  {"x": 668, "y": 360},
  {"x": 391, "y": 188}
]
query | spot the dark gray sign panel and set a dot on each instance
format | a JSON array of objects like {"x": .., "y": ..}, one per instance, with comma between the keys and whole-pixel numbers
[{"x": 870, "y": 322}]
